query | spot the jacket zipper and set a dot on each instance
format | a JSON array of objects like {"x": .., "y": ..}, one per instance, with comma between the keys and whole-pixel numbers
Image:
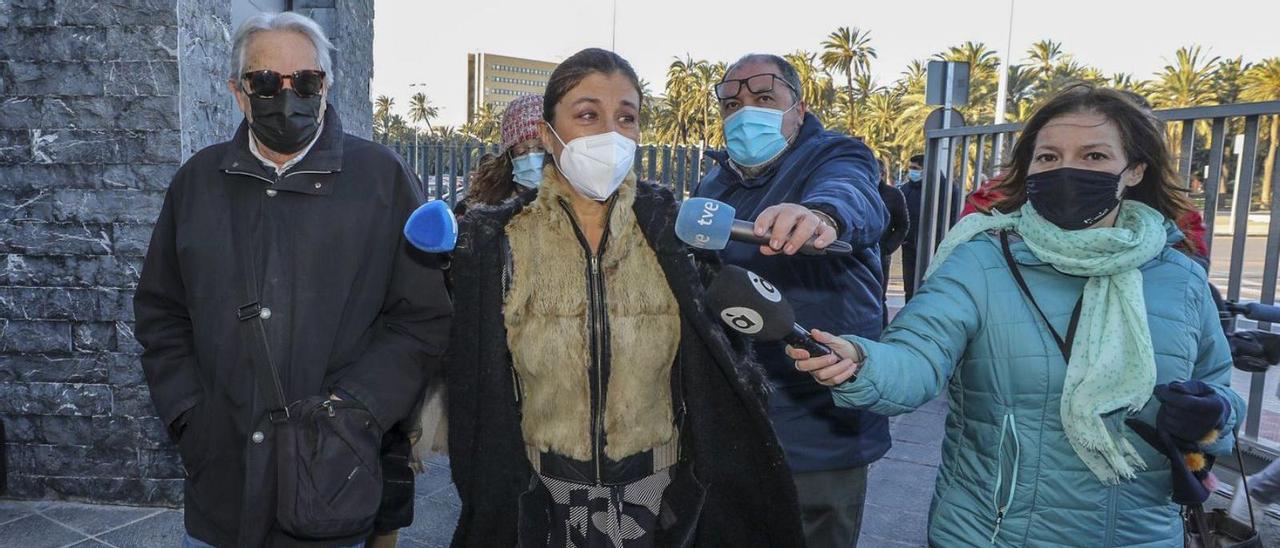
[
  {"x": 1111, "y": 516},
  {"x": 254, "y": 175},
  {"x": 278, "y": 177},
  {"x": 1009, "y": 424},
  {"x": 597, "y": 327},
  {"x": 595, "y": 293}
]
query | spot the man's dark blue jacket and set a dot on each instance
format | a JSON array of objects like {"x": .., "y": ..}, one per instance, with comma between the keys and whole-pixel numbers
[{"x": 837, "y": 175}]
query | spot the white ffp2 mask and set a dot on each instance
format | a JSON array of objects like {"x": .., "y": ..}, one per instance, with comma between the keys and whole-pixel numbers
[{"x": 596, "y": 165}]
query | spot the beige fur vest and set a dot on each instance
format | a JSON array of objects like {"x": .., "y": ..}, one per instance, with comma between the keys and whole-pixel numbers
[{"x": 548, "y": 328}]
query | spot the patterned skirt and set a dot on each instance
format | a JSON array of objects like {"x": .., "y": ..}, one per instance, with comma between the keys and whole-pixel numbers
[{"x": 619, "y": 516}]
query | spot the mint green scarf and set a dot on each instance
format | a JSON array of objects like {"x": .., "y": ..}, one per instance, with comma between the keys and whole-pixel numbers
[{"x": 1113, "y": 364}]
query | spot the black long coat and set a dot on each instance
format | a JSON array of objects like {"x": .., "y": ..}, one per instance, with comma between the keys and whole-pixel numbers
[
  {"x": 355, "y": 310},
  {"x": 743, "y": 493}
]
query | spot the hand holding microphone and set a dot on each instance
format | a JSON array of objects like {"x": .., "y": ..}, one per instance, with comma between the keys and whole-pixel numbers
[
  {"x": 752, "y": 306},
  {"x": 785, "y": 228},
  {"x": 432, "y": 227},
  {"x": 830, "y": 369},
  {"x": 791, "y": 227}
]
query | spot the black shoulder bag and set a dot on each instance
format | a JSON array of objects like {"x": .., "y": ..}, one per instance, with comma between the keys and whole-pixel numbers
[
  {"x": 1216, "y": 528},
  {"x": 329, "y": 470}
]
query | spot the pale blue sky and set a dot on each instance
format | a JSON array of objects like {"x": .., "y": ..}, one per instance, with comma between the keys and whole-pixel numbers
[{"x": 427, "y": 41}]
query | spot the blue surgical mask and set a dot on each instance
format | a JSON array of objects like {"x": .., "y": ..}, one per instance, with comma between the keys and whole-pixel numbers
[
  {"x": 914, "y": 175},
  {"x": 753, "y": 135},
  {"x": 528, "y": 169}
]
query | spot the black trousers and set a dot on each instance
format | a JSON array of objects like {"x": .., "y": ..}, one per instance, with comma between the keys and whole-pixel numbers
[{"x": 831, "y": 506}]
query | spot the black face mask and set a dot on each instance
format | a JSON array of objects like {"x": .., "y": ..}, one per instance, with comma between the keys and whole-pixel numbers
[
  {"x": 285, "y": 123},
  {"x": 1073, "y": 198}
]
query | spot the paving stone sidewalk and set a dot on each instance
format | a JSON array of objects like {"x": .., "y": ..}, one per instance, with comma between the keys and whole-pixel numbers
[{"x": 899, "y": 488}]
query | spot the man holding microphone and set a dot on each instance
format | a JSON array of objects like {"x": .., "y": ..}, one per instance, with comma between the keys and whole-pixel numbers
[{"x": 800, "y": 182}]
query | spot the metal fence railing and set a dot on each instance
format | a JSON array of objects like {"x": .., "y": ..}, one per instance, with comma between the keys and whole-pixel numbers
[
  {"x": 1243, "y": 233},
  {"x": 446, "y": 167}
]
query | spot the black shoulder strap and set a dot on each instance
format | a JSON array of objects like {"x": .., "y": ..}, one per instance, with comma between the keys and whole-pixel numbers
[
  {"x": 251, "y": 315},
  {"x": 1063, "y": 345}
]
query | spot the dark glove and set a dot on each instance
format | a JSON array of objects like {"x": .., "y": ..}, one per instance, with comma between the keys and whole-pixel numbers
[
  {"x": 1191, "y": 412},
  {"x": 1191, "y": 416},
  {"x": 1247, "y": 352},
  {"x": 1254, "y": 351}
]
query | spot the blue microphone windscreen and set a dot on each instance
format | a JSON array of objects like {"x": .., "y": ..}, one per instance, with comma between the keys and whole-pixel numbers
[
  {"x": 432, "y": 227},
  {"x": 704, "y": 223}
]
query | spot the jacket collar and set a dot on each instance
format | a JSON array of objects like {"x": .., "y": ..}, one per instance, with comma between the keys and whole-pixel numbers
[
  {"x": 324, "y": 158},
  {"x": 555, "y": 196},
  {"x": 808, "y": 130}
]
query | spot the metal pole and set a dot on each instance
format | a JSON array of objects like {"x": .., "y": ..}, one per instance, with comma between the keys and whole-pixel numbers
[
  {"x": 1235, "y": 189},
  {"x": 1002, "y": 92}
]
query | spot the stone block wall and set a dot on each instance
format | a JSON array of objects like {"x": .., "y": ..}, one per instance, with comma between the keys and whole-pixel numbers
[{"x": 100, "y": 102}]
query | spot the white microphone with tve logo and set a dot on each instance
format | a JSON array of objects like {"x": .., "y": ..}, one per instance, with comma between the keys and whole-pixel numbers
[
  {"x": 752, "y": 306},
  {"x": 709, "y": 224}
]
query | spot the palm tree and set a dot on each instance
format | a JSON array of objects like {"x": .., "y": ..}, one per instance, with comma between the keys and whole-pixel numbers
[
  {"x": 702, "y": 105},
  {"x": 382, "y": 105},
  {"x": 485, "y": 125},
  {"x": 1044, "y": 56},
  {"x": 1021, "y": 93},
  {"x": 1228, "y": 82},
  {"x": 816, "y": 89},
  {"x": 445, "y": 133},
  {"x": 883, "y": 127},
  {"x": 422, "y": 111},
  {"x": 1262, "y": 83},
  {"x": 912, "y": 87},
  {"x": 397, "y": 129},
  {"x": 649, "y": 112},
  {"x": 1187, "y": 82},
  {"x": 849, "y": 50},
  {"x": 1128, "y": 82},
  {"x": 382, "y": 116},
  {"x": 680, "y": 83}
]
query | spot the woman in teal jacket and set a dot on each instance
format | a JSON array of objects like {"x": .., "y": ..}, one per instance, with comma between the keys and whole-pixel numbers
[{"x": 1041, "y": 375}]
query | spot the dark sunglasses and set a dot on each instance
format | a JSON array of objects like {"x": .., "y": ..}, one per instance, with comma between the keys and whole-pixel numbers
[
  {"x": 267, "y": 83},
  {"x": 760, "y": 83}
]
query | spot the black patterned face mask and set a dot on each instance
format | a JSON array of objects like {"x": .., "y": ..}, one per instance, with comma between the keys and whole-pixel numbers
[
  {"x": 1073, "y": 198},
  {"x": 285, "y": 122}
]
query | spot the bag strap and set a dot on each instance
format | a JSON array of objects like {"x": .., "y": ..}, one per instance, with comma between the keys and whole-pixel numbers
[
  {"x": 1064, "y": 345},
  {"x": 1244, "y": 480},
  {"x": 251, "y": 314}
]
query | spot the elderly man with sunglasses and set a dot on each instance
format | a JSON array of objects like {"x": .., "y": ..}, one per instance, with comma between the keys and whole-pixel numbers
[
  {"x": 799, "y": 182},
  {"x": 278, "y": 273}
]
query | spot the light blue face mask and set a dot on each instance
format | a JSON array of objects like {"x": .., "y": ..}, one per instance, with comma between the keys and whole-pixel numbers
[
  {"x": 528, "y": 169},
  {"x": 914, "y": 175},
  {"x": 753, "y": 135}
]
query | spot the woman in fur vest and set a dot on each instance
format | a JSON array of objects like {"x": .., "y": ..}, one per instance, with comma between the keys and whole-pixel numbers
[{"x": 592, "y": 400}]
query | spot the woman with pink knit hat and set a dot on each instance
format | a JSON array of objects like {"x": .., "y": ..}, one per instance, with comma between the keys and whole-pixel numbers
[{"x": 519, "y": 164}]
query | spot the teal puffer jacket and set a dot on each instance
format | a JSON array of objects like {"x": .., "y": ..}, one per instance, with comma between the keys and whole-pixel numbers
[{"x": 971, "y": 330}]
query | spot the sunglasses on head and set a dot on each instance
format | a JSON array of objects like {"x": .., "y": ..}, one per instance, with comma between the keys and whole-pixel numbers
[{"x": 267, "y": 83}]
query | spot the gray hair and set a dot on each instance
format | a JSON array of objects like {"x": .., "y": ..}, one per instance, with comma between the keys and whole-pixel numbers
[
  {"x": 786, "y": 71},
  {"x": 288, "y": 20}
]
